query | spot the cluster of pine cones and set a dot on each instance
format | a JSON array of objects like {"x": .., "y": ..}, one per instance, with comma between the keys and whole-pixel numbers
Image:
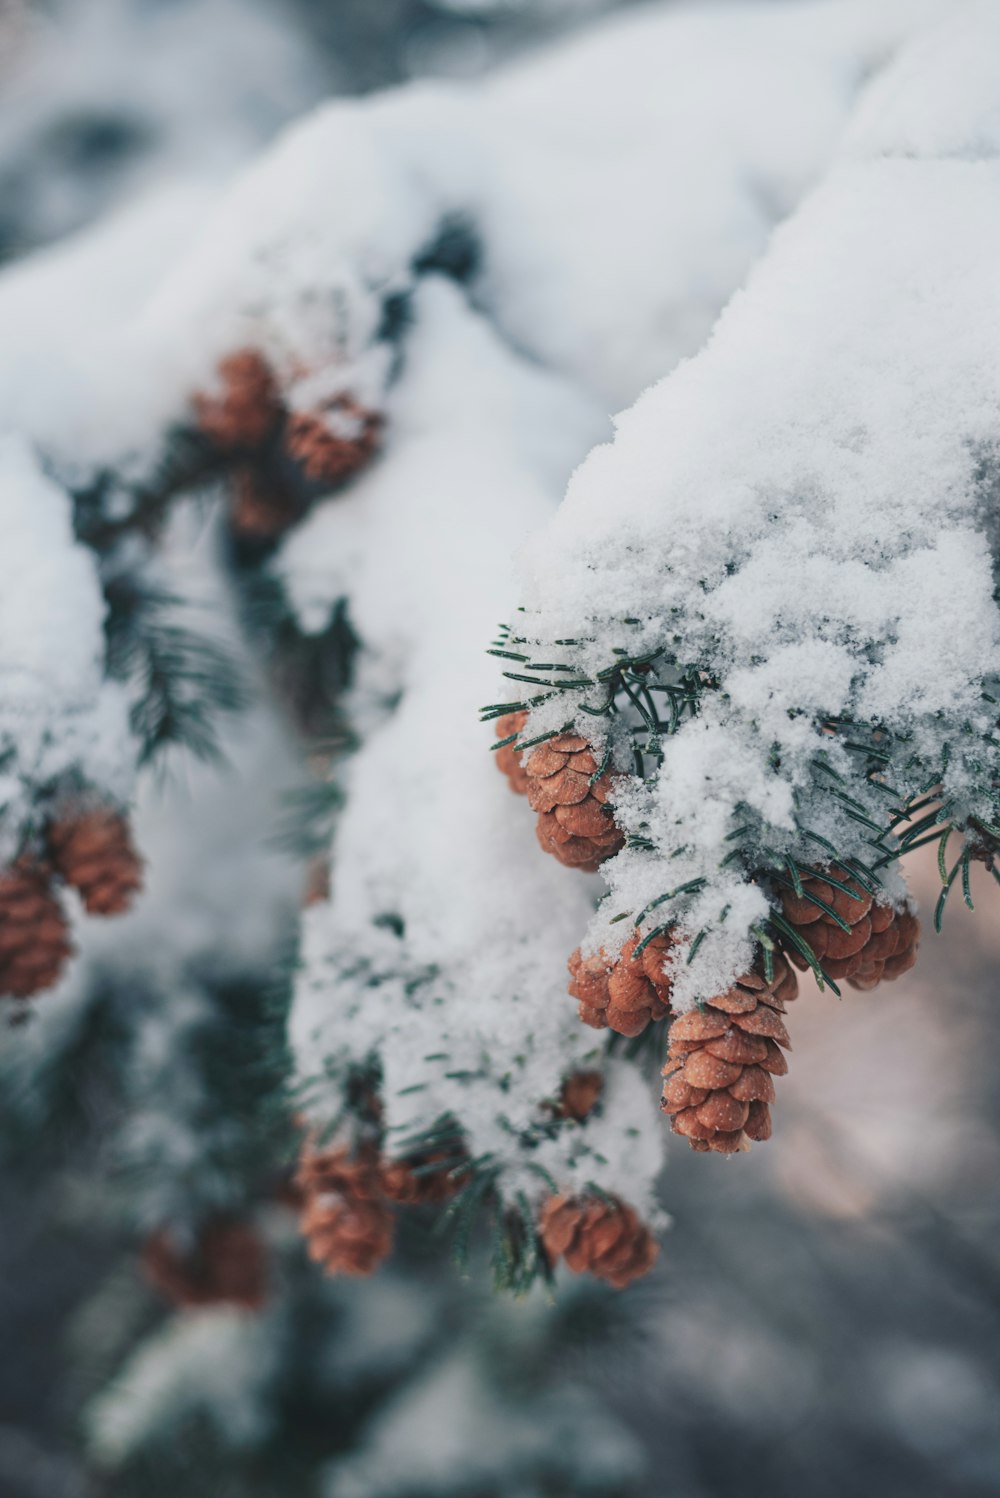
[
  {"x": 348, "y": 1200},
  {"x": 722, "y": 1057},
  {"x": 89, "y": 849},
  {"x": 279, "y": 457}
]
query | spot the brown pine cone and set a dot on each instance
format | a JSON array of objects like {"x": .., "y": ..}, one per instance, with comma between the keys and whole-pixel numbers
[
  {"x": 346, "y": 1221},
  {"x": 509, "y": 757},
  {"x": 34, "y": 936},
  {"x": 334, "y": 444},
  {"x": 414, "y": 1183},
  {"x": 578, "y": 1095},
  {"x": 626, "y": 993},
  {"x": 721, "y": 1060},
  {"x": 92, "y": 850},
  {"x": 246, "y": 410},
  {"x": 881, "y": 943},
  {"x": 260, "y": 508},
  {"x": 605, "y": 1238},
  {"x": 574, "y": 822},
  {"x": 316, "y": 889},
  {"x": 226, "y": 1265}
]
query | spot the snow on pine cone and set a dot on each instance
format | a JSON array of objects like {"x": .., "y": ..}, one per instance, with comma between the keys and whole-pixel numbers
[
  {"x": 574, "y": 822},
  {"x": 93, "y": 851},
  {"x": 335, "y": 443},
  {"x": 34, "y": 936},
  {"x": 879, "y": 942},
  {"x": 509, "y": 758},
  {"x": 626, "y": 992},
  {"x": 599, "y": 1236},
  {"x": 226, "y": 1264},
  {"x": 346, "y": 1221},
  {"x": 722, "y": 1059},
  {"x": 246, "y": 409}
]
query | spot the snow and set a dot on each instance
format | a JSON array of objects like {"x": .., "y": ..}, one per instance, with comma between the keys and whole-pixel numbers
[
  {"x": 466, "y": 1008},
  {"x": 74, "y": 377},
  {"x": 450, "y": 1435},
  {"x": 938, "y": 97},
  {"x": 697, "y": 102},
  {"x": 217, "y": 908},
  {"x": 58, "y": 715},
  {"x": 305, "y": 252},
  {"x": 106, "y": 100},
  {"x": 218, "y": 1365},
  {"x": 460, "y": 997},
  {"x": 667, "y": 134},
  {"x": 799, "y": 510}
]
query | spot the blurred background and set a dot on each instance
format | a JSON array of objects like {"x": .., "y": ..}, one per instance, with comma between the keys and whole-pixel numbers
[
  {"x": 825, "y": 1318},
  {"x": 104, "y": 98}
]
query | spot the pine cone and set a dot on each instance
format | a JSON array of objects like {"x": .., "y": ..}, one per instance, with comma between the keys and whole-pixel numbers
[
  {"x": 574, "y": 823},
  {"x": 34, "y": 936},
  {"x": 336, "y": 443},
  {"x": 881, "y": 943},
  {"x": 226, "y": 1265},
  {"x": 347, "y": 1223},
  {"x": 316, "y": 889},
  {"x": 604, "y": 1238},
  {"x": 509, "y": 757},
  {"x": 626, "y": 993},
  {"x": 721, "y": 1060},
  {"x": 261, "y": 509},
  {"x": 415, "y": 1183},
  {"x": 247, "y": 410},
  {"x": 92, "y": 851},
  {"x": 578, "y": 1095}
]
